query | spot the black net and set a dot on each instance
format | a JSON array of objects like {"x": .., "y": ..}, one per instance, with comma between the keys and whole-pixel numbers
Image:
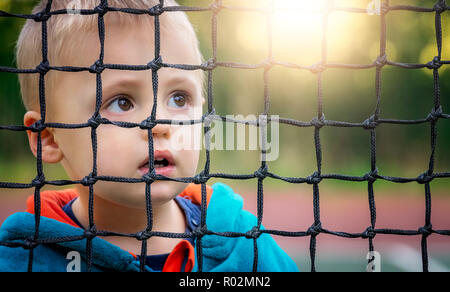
[{"x": 370, "y": 124}]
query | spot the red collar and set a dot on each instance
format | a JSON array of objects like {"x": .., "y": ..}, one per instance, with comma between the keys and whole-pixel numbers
[{"x": 52, "y": 203}]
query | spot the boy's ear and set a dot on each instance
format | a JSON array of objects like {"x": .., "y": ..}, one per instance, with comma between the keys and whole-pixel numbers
[{"x": 51, "y": 153}]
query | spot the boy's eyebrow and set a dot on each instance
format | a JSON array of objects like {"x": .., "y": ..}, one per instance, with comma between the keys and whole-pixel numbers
[
  {"x": 182, "y": 79},
  {"x": 172, "y": 80},
  {"x": 124, "y": 80}
]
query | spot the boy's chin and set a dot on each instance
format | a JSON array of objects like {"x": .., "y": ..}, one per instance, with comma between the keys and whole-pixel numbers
[{"x": 134, "y": 195}]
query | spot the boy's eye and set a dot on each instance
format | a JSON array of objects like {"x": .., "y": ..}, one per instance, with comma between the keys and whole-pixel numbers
[
  {"x": 178, "y": 100},
  {"x": 120, "y": 105}
]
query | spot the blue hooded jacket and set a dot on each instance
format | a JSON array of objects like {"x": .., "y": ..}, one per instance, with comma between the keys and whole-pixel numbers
[{"x": 219, "y": 254}]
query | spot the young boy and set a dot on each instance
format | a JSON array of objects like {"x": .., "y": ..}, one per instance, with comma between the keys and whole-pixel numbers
[{"x": 127, "y": 96}]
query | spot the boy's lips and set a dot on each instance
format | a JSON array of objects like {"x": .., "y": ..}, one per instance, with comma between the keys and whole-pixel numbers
[{"x": 163, "y": 162}]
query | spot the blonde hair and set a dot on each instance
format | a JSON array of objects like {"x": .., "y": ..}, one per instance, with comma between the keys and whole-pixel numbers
[{"x": 61, "y": 28}]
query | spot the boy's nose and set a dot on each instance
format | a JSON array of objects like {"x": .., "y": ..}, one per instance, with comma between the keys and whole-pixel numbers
[
  {"x": 161, "y": 130},
  {"x": 158, "y": 131}
]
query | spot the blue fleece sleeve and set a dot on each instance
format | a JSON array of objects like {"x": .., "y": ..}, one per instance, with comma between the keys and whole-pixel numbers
[
  {"x": 271, "y": 258},
  {"x": 13, "y": 259},
  {"x": 44, "y": 260},
  {"x": 227, "y": 254}
]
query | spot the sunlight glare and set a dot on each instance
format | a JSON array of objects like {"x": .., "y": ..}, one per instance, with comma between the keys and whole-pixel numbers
[
  {"x": 302, "y": 16},
  {"x": 297, "y": 32}
]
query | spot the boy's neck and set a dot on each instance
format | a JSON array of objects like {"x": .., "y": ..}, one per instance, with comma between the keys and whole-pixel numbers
[{"x": 167, "y": 217}]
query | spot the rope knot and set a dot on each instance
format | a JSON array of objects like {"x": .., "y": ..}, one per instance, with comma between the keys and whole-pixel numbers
[
  {"x": 156, "y": 10},
  {"x": 30, "y": 243},
  {"x": 381, "y": 61},
  {"x": 94, "y": 122},
  {"x": 435, "y": 64},
  {"x": 216, "y": 6},
  {"x": 255, "y": 233},
  {"x": 90, "y": 233},
  {"x": 317, "y": 68},
  {"x": 143, "y": 235},
  {"x": 440, "y": 7},
  {"x": 313, "y": 179},
  {"x": 200, "y": 231},
  {"x": 147, "y": 124},
  {"x": 315, "y": 229},
  {"x": 424, "y": 178},
  {"x": 426, "y": 231},
  {"x": 268, "y": 63},
  {"x": 38, "y": 181},
  {"x": 101, "y": 9},
  {"x": 41, "y": 16},
  {"x": 200, "y": 178},
  {"x": 261, "y": 173},
  {"x": 150, "y": 177},
  {"x": 88, "y": 180},
  {"x": 384, "y": 9},
  {"x": 156, "y": 64},
  {"x": 435, "y": 114},
  {"x": 97, "y": 67},
  {"x": 369, "y": 233},
  {"x": 371, "y": 176},
  {"x": 209, "y": 118},
  {"x": 43, "y": 67},
  {"x": 209, "y": 65},
  {"x": 318, "y": 122},
  {"x": 370, "y": 123},
  {"x": 37, "y": 127}
]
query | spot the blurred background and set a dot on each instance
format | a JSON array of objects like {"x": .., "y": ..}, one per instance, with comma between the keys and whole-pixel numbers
[{"x": 349, "y": 95}]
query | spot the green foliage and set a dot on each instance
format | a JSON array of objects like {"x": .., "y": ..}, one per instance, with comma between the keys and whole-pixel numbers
[{"x": 349, "y": 95}]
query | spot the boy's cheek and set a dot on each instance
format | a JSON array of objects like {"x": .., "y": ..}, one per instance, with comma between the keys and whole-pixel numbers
[
  {"x": 188, "y": 163},
  {"x": 186, "y": 138},
  {"x": 75, "y": 145},
  {"x": 79, "y": 155}
]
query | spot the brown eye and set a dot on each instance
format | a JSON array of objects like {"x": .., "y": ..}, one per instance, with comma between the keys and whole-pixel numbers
[
  {"x": 124, "y": 104},
  {"x": 120, "y": 105},
  {"x": 178, "y": 101}
]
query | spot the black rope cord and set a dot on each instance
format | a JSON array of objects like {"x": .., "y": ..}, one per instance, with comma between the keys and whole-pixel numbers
[{"x": 370, "y": 124}]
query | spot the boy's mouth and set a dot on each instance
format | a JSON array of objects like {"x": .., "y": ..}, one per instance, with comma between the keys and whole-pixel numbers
[{"x": 163, "y": 162}]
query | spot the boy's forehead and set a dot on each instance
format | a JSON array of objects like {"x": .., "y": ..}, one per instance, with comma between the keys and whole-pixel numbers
[{"x": 135, "y": 45}]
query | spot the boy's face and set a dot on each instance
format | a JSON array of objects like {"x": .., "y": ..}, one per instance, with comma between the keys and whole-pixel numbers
[{"x": 128, "y": 96}]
